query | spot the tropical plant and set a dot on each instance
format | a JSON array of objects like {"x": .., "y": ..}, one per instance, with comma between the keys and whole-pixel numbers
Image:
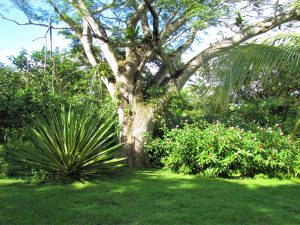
[
  {"x": 71, "y": 143},
  {"x": 267, "y": 69}
]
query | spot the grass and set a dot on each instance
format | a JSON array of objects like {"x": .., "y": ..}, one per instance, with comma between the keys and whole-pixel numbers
[{"x": 151, "y": 197}]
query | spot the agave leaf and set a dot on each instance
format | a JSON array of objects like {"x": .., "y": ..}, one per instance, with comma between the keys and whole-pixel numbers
[
  {"x": 71, "y": 142},
  {"x": 102, "y": 156}
]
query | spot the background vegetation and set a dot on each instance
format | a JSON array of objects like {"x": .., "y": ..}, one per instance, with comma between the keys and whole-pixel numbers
[
  {"x": 249, "y": 136},
  {"x": 238, "y": 118},
  {"x": 31, "y": 88}
]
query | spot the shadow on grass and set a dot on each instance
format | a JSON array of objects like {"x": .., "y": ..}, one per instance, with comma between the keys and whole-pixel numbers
[{"x": 152, "y": 197}]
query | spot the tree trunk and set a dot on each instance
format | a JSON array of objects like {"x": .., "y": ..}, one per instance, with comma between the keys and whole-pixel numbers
[{"x": 135, "y": 123}]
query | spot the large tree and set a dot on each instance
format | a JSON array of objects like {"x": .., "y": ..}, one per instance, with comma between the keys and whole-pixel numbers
[{"x": 143, "y": 42}]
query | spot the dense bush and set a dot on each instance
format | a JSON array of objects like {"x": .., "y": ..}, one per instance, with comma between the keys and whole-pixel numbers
[
  {"x": 223, "y": 151},
  {"x": 245, "y": 113},
  {"x": 267, "y": 112},
  {"x": 69, "y": 143}
]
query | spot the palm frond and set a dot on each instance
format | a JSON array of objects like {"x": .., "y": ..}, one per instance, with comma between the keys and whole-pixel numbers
[
  {"x": 288, "y": 40},
  {"x": 244, "y": 64},
  {"x": 296, "y": 130}
]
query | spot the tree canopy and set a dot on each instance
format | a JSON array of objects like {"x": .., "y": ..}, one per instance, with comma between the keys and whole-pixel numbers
[{"x": 133, "y": 33}]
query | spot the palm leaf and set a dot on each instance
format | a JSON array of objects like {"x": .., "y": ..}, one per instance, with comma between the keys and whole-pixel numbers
[{"x": 243, "y": 64}]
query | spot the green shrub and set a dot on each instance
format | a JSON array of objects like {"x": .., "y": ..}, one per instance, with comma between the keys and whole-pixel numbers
[
  {"x": 220, "y": 151},
  {"x": 70, "y": 143},
  {"x": 266, "y": 112}
]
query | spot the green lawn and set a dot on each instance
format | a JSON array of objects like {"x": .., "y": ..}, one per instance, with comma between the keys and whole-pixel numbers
[{"x": 151, "y": 197}]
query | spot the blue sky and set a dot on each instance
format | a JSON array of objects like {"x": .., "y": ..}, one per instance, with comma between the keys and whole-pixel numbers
[{"x": 14, "y": 37}]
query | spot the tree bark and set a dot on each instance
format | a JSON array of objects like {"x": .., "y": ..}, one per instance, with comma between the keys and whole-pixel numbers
[{"x": 135, "y": 122}]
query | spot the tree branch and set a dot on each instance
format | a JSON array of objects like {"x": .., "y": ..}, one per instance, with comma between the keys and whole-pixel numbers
[
  {"x": 268, "y": 24},
  {"x": 182, "y": 48},
  {"x": 167, "y": 61},
  {"x": 172, "y": 16},
  {"x": 30, "y": 23},
  {"x": 137, "y": 15},
  {"x": 159, "y": 76},
  {"x": 245, "y": 34},
  {"x": 86, "y": 41},
  {"x": 170, "y": 29},
  {"x": 104, "y": 7},
  {"x": 100, "y": 32},
  {"x": 144, "y": 60},
  {"x": 66, "y": 18},
  {"x": 84, "y": 34},
  {"x": 155, "y": 25},
  {"x": 145, "y": 26}
]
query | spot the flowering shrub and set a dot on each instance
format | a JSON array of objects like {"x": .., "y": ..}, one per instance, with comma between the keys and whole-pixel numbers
[{"x": 225, "y": 151}]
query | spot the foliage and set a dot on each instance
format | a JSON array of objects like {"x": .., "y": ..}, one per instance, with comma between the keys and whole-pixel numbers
[
  {"x": 71, "y": 78},
  {"x": 70, "y": 143},
  {"x": 37, "y": 176},
  {"x": 27, "y": 85},
  {"x": 193, "y": 105},
  {"x": 3, "y": 163},
  {"x": 9, "y": 166},
  {"x": 264, "y": 112},
  {"x": 220, "y": 151},
  {"x": 171, "y": 110},
  {"x": 133, "y": 35},
  {"x": 272, "y": 68}
]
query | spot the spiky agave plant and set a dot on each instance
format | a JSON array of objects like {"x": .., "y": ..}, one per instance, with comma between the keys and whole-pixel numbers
[{"x": 72, "y": 143}]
